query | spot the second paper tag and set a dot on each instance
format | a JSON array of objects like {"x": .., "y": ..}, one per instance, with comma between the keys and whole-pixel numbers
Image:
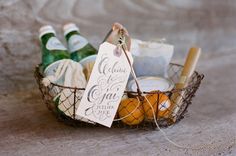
[{"x": 106, "y": 85}]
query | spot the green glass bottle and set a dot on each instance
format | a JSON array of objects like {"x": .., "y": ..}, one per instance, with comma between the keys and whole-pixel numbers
[
  {"x": 52, "y": 49},
  {"x": 78, "y": 46}
]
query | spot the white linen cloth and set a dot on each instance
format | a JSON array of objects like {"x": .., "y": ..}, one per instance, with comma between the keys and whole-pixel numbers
[{"x": 70, "y": 74}]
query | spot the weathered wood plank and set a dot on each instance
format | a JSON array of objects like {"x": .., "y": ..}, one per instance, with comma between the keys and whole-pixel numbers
[
  {"x": 28, "y": 128},
  {"x": 208, "y": 24}
]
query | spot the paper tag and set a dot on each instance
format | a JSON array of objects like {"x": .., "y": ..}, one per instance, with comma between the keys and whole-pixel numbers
[{"x": 106, "y": 85}]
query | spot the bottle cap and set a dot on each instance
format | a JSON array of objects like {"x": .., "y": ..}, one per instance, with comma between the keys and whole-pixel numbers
[
  {"x": 67, "y": 28},
  {"x": 46, "y": 29}
]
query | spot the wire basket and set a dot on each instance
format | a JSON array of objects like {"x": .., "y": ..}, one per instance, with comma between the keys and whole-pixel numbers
[{"x": 141, "y": 117}]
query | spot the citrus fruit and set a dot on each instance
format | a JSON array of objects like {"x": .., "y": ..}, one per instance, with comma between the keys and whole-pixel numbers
[
  {"x": 160, "y": 104},
  {"x": 131, "y": 111}
]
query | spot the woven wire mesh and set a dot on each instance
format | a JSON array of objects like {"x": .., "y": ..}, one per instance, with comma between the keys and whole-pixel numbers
[{"x": 134, "y": 111}]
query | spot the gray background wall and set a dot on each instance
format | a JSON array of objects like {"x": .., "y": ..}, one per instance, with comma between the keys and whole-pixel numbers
[{"x": 205, "y": 23}]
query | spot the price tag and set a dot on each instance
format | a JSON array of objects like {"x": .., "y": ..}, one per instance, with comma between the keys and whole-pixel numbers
[{"x": 106, "y": 85}]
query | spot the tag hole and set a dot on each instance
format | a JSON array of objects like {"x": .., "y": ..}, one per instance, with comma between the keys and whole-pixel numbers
[{"x": 117, "y": 52}]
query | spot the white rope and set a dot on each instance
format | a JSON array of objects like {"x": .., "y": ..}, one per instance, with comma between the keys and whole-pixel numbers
[
  {"x": 164, "y": 134},
  {"x": 155, "y": 120},
  {"x": 153, "y": 112},
  {"x": 130, "y": 112},
  {"x": 171, "y": 141}
]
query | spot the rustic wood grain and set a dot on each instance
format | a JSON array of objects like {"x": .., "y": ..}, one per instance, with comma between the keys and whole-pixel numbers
[
  {"x": 28, "y": 128},
  {"x": 208, "y": 24}
]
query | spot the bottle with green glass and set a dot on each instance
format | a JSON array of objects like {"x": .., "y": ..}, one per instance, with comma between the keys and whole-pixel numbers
[
  {"x": 78, "y": 46},
  {"x": 52, "y": 49}
]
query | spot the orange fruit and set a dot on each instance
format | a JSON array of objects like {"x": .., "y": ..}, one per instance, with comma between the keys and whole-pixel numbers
[
  {"x": 164, "y": 107},
  {"x": 156, "y": 99},
  {"x": 131, "y": 111}
]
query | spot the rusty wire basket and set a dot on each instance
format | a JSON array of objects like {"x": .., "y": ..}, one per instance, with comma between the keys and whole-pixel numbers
[{"x": 141, "y": 117}]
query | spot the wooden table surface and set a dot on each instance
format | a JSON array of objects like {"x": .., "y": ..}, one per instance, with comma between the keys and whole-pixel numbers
[{"x": 28, "y": 128}]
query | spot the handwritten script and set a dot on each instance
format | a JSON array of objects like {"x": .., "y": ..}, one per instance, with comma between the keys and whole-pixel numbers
[{"x": 106, "y": 86}]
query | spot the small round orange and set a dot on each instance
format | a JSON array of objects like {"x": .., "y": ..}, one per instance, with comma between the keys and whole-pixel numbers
[
  {"x": 132, "y": 111},
  {"x": 156, "y": 99},
  {"x": 164, "y": 107}
]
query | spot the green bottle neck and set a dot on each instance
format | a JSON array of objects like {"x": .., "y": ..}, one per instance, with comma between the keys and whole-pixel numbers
[
  {"x": 46, "y": 37},
  {"x": 70, "y": 34}
]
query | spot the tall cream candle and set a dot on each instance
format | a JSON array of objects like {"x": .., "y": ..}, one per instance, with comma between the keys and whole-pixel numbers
[{"x": 188, "y": 70}]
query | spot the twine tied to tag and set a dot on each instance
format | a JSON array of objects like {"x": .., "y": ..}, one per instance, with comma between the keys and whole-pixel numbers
[{"x": 141, "y": 97}]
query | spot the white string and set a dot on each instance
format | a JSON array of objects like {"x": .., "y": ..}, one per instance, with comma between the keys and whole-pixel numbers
[
  {"x": 154, "y": 115},
  {"x": 130, "y": 112},
  {"x": 153, "y": 112},
  {"x": 164, "y": 134},
  {"x": 155, "y": 120}
]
